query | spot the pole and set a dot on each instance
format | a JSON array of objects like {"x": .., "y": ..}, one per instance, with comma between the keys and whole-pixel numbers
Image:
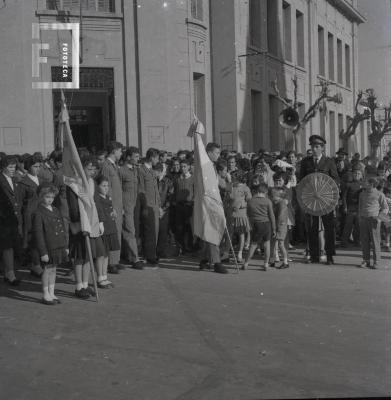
[
  {"x": 233, "y": 251},
  {"x": 88, "y": 245}
]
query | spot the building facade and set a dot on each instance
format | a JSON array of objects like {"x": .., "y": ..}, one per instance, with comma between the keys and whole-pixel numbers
[
  {"x": 257, "y": 42},
  {"x": 145, "y": 68}
]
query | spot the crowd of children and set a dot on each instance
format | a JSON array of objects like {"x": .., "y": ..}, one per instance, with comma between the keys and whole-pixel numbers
[{"x": 145, "y": 208}]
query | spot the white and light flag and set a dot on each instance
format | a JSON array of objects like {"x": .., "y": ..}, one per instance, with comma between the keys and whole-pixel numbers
[
  {"x": 208, "y": 216},
  {"x": 75, "y": 177}
]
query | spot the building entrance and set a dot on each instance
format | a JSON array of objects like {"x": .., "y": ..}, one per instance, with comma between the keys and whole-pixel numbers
[{"x": 91, "y": 109}]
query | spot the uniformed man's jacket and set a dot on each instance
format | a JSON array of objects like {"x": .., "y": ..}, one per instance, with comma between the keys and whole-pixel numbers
[
  {"x": 129, "y": 179},
  {"x": 30, "y": 204},
  {"x": 111, "y": 172},
  {"x": 148, "y": 188},
  {"x": 11, "y": 201},
  {"x": 325, "y": 165},
  {"x": 48, "y": 230}
]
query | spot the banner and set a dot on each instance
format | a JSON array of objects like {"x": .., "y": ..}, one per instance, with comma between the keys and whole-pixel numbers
[
  {"x": 76, "y": 179},
  {"x": 208, "y": 215}
]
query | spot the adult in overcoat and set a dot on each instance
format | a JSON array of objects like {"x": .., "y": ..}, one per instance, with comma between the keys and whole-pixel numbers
[
  {"x": 110, "y": 170},
  {"x": 11, "y": 222}
]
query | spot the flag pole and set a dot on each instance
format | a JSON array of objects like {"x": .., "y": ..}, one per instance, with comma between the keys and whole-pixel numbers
[
  {"x": 232, "y": 248},
  {"x": 88, "y": 245}
]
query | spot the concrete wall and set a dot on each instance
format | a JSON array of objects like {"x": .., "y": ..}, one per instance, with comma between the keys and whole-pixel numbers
[
  {"x": 26, "y": 114},
  {"x": 172, "y": 48}
]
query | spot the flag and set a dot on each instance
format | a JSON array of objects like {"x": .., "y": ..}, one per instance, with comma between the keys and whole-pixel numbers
[
  {"x": 208, "y": 216},
  {"x": 75, "y": 177}
]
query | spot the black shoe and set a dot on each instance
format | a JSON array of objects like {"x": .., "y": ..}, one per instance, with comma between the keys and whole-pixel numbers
[
  {"x": 91, "y": 291},
  {"x": 226, "y": 260},
  {"x": 126, "y": 262},
  {"x": 220, "y": 269},
  {"x": 204, "y": 264},
  {"x": 15, "y": 282},
  {"x": 48, "y": 302},
  {"x": 283, "y": 266},
  {"x": 120, "y": 266},
  {"x": 152, "y": 264},
  {"x": 35, "y": 274},
  {"x": 82, "y": 293},
  {"x": 330, "y": 260},
  {"x": 314, "y": 260},
  {"x": 138, "y": 265},
  {"x": 112, "y": 269},
  {"x": 272, "y": 265}
]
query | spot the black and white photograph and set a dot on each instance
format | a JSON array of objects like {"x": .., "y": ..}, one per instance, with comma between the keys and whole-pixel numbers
[{"x": 195, "y": 199}]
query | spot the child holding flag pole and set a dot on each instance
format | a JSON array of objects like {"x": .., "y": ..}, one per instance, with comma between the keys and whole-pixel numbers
[{"x": 85, "y": 241}]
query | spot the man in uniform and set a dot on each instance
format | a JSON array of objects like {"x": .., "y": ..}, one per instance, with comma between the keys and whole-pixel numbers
[{"x": 318, "y": 162}]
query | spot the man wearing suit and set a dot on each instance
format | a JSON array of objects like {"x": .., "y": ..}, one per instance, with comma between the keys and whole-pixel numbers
[
  {"x": 318, "y": 162},
  {"x": 110, "y": 171},
  {"x": 149, "y": 197},
  {"x": 129, "y": 178}
]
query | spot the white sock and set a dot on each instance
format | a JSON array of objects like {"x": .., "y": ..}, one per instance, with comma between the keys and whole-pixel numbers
[
  {"x": 239, "y": 254},
  {"x": 46, "y": 294},
  {"x": 10, "y": 275},
  {"x": 285, "y": 260},
  {"x": 101, "y": 278},
  {"x": 79, "y": 286},
  {"x": 51, "y": 291},
  {"x": 85, "y": 285},
  {"x": 104, "y": 277}
]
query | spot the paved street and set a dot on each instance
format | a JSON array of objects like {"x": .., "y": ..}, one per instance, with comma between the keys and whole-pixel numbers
[{"x": 178, "y": 333}]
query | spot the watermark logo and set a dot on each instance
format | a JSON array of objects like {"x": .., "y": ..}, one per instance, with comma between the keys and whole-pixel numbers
[{"x": 69, "y": 56}]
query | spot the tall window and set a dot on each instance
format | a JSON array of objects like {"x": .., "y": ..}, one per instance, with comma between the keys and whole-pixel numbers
[
  {"x": 322, "y": 124},
  {"x": 256, "y": 109},
  {"x": 340, "y": 123},
  {"x": 333, "y": 145},
  {"x": 286, "y": 7},
  {"x": 339, "y": 61},
  {"x": 196, "y": 9},
  {"x": 91, "y": 5},
  {"x": 331, "y": 56},
  {"x": 272, "y": 27},
  {"x": 347, "y": 65},
  {"x": 255, "y": 22},
  {"x": 274, "y": 127},
  {"x": 321, "y": 51},
  {"x": 199, "y": 97},
  {"x": 300, "y": 38}
]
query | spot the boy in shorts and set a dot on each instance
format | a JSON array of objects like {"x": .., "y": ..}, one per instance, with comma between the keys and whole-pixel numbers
[{"x": 263, "y": 223}]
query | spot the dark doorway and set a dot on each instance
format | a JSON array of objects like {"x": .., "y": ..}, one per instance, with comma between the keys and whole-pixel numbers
[{"x": 91, "y": 108}]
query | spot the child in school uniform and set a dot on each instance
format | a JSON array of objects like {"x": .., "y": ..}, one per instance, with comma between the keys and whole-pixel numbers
[
  {"x": 107, "y": 221},
  {"x": 77, "y": 241},
  {"x": 49, "y": 239},
  {"x": 238, "y": 198},
  {"x": 263, "y": 223},
  {"x": 280, "y": 207},
  {"x": 371, "y": 205}
]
